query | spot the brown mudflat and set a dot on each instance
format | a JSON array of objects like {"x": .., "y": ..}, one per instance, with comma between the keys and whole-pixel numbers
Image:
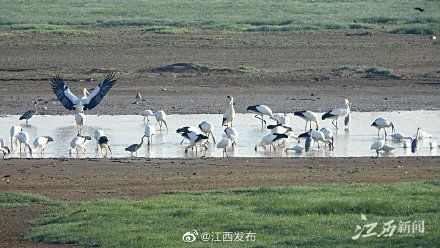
[{"x": 287, "y": 71}]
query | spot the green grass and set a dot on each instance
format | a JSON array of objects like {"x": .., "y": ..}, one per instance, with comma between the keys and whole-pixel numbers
[
  {"x": 367, "y": 71},
  {"x": 16, "y": 200},
  {"x": 175, "y": 16},
  {"x": 305, "y": 216}
]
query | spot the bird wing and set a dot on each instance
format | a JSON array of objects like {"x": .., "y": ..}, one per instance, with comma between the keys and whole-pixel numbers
[
  {"x": 264, "y": 109},
  {"x": 63, "y": 93},
  {"x": 100, "y": 91}
]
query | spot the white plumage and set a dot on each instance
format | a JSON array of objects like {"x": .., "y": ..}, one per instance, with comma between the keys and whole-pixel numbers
[
  {"x": 4, "y": 149},
  {"x": 399, "y": 136},
  {"x": 161, "y": 118},
  {"x": 281, "y": 119},
  {"x": 387, "y": 148},
  {"x": 149, "y": 131},
  {"x": 433, "y": 144},
  {"x": 308, "y": 116},
  {"x": 269, "y": 140},
  {"x": 337, "y": 113},
  {"x": 297, "y": 149},
  {"x": 207, "y": 128},
  {"x": 224, "y": 144},
  {"x": 41, "y": 143},
  {"x": 232, "y": 134},
  {"x": 23, "y": 138},
  {"x": 377, "y": 146},
  {"x": 79, "y": 143},
  {"x": 329, "y": 135},
  {"x": 146, "y": 113},
  {"x": 261, "y": 111},
  {"x": 79, "y": 121},
  {"x": 13, "y": 134},
  {"x": 229, "y": 114},
  {"x": 382, "y": 123}
]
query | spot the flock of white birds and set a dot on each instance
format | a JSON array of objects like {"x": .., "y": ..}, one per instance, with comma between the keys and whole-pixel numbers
[{"x": 197, "y": 138}]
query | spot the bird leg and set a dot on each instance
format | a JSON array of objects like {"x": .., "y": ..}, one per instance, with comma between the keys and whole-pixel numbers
[
  {"x": 305, "y": 128},
  {"x": 333, "y": 122},
  {"x": 213, "y": 138},
  {"x": 164, "y": 122},
  {"x": 310, "y": 125},
  {"x": 182, "y": 141}
]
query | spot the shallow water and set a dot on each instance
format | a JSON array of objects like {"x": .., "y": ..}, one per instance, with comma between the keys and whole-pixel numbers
[{"x": 126, "y": 130}]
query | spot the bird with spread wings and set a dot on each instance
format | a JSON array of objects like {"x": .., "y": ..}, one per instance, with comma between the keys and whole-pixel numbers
[{"x": 72, "y": 102}]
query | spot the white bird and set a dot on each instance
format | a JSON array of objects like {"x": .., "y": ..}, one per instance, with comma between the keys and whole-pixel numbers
[
  {"x": 279, "y": 128},
  {"x": 161, "y": 118},
  {"x": 98, "y": 133},
  {"x": 79, "y": 121},
  {"x": 281, "y": 119},
  {"x": 232, "y": 134},
  {"x": 382, "y": 123},
  {"x": 197, "y": 140},
  {"x": 104, "y": 144},
  {"x": 309, "y": 117},
  {"x": 23, "y": 138},
  {"x": 261, "y": 111},
  {"x": 72, "y": 102},
  {"x": 297, "y": 149},
  {"x": 28, "y": 114},
  {"x": 4, "y": 149},
  {"x": 433, "y": 144},
  {"x": 387, "y": 148},
  {"x": 270, "y": 139},
  {"x": 337, "y": 113},
  {"x": 208, "y": 129},
  {"x": 186, "y": 132},
  {"x": 224, "y": 144},
  {"x": 399, "y": 136},
  {"x": 149, "y": 131},
  {"x": 41, "y": 143},
  {"x": 14, "y": 133},
  {"x": 378, "y": 146},
  {"x": 317, "y": 136},
  {"x": 79, "y": 143},
  {"x": 146, "y": 113},
  {"x": 329, "y": 136},
  {"x": 229, "y": 114}
]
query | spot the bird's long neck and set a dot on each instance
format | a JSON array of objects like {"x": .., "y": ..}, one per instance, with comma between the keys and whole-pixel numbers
[
  {"x": 231, "y": 103},
  {"x": 35, "y": 106},
  {"x": 142, "y": 141},
  {"x": 417, "y": 134}
]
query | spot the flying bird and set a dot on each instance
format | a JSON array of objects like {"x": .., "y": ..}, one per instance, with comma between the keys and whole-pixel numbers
[
  {"x": 87, "y": 102},
  {"x": 419, "y": 9}
]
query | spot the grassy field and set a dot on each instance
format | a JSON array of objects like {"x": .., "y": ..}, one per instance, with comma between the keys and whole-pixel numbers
[
  {"x": 175, "y": 16},
  {"x": 308, "y": 216}
]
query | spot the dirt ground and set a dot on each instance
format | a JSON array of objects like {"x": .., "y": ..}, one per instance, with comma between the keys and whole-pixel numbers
[
  {"x": 87, "y": 179},
  {"x": 286, "y": 71}
]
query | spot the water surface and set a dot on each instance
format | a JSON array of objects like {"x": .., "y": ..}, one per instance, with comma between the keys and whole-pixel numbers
[{"x": 128, "y": 129}]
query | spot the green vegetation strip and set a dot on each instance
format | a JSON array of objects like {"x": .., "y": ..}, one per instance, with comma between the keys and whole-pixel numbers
[
  {"x": 311, "y": 216},
  {"x": 176, "y": 16}
]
